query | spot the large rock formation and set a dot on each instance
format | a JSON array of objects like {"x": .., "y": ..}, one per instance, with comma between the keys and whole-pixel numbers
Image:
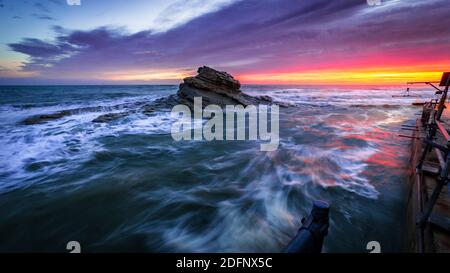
[{"x": 215, "y": 87}]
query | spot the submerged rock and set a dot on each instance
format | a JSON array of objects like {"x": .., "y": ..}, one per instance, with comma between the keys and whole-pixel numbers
[
  {"x": 215, "y": 87},
  {"x": 60, "y": 114},
  {"x": 42, "y": 118},
  {"x": 109, "y": 117}
]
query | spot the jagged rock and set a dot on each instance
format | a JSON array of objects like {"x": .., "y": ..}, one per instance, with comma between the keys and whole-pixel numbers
[
  {"x": 213, "y": 80},
  {"x": 216, "y": 87}
]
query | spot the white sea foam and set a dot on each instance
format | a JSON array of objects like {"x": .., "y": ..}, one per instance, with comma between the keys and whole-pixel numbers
[
  {"x": 74, "y": 137},
  {"x": 209, "y": 196},
  {"x": 349, "y": 96}
]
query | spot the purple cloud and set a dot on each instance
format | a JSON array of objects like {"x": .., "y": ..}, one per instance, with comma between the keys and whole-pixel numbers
[
  {"x": 253, "y": 35},
  {"x": 36, "y": 48}
]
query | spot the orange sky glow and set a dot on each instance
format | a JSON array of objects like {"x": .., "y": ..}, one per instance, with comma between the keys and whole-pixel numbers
[{"x": 350, "y": 76}]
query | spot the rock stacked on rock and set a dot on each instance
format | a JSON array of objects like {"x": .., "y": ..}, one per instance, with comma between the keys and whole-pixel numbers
[{"x": 216, "y": 87}]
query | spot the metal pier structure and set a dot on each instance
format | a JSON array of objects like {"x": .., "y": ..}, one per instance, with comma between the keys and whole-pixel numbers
[{"x": 428, "y": 215}]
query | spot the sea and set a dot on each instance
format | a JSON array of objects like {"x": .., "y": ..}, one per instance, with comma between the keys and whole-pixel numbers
[{"x": 127, "y": 186}]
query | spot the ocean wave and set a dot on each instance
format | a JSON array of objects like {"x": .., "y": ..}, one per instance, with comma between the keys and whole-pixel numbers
[
  {"x": 216, "y": 196},
  {"x": 73, "y": 138}
]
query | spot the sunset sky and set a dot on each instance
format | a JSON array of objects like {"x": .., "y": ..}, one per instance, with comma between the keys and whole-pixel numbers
[{"x": 258, "y": 41}]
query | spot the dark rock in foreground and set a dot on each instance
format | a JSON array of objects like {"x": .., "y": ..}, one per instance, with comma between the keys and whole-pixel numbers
[{"x": 215, "y": 87}]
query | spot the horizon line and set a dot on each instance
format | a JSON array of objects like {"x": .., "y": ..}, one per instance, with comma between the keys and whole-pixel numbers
[{"x": 176, "y": 84}]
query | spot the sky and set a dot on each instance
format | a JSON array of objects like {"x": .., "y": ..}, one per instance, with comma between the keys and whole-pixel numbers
[{"x": 257, "y": 41}]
